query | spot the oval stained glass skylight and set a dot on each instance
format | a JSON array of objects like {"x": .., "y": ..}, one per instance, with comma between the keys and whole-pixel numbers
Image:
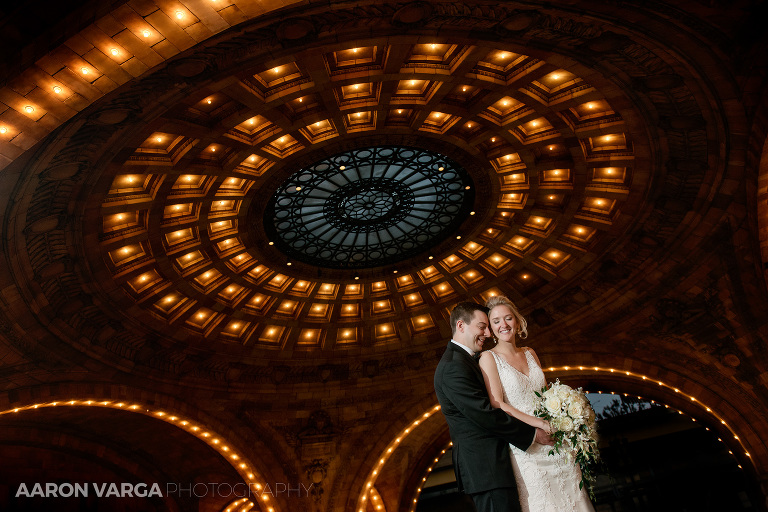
[{"x": 369, "y": 207}]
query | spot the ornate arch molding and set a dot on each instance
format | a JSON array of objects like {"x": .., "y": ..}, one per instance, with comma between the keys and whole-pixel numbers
[
  {"x": 117, "y": 460},
  {"x": 426, "y": 433},
  {"x": 61, "y": 173},
  {"x": 246, "y": 456}
]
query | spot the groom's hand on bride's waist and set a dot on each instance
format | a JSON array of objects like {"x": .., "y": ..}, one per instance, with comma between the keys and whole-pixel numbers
[{"x": 543, "y": 438}]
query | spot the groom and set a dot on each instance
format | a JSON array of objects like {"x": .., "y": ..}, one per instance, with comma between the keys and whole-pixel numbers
[{"x": 481, "y": 434}]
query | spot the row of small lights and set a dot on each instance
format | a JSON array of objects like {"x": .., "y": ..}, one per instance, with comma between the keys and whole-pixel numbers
[
  {"x": 115, "y": 52},
  {"x": 424, "y": 478},
  {"x": 236, "y": 460},
  {"x": 693, "y": 399},
  {"x": 442, "y": 452},
  {"x": 377, "y": 468},
  {"x": 241, "y": 505},
  {"x": 180, "y": 15},
  {"x": 387, "y": 452}
]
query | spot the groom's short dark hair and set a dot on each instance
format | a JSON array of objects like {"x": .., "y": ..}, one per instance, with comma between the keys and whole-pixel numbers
[{"x": 464, "y": 311}]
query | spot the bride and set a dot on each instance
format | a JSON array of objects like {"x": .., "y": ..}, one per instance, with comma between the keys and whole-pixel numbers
[{"x": 546, "y": 483}]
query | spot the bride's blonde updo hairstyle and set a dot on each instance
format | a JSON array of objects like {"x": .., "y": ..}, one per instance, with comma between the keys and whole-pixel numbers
[{"x": 500, "y": 300}]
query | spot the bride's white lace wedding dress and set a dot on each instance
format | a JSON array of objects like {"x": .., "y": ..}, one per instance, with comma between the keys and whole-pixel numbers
[{"x": 546, "y": 483}]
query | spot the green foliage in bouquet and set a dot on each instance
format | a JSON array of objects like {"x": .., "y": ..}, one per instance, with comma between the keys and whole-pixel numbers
[{"x": 572, "y": 420}]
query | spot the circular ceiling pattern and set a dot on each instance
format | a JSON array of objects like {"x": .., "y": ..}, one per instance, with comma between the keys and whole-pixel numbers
[
  {"x": 369, "y": 207},
  {"x": 549, "y": 162}
]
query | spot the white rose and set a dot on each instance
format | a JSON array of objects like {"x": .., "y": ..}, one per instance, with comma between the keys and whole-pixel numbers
[
  {"x": 563, "y": 392},
  {"x": 566, "y": 424},
  {"x": 575, "y": 410},
  {"x": 553, "y": 404},
  {"x": 575, "y": 396}
]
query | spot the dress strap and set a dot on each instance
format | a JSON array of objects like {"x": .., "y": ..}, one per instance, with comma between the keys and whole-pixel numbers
[
  {"x": 496, "y": 357},
  {"x": 531, "y": 360}
]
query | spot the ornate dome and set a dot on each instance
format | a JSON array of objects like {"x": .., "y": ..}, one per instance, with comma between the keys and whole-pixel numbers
[
  {"x": 252, "y": 233},
  {"x": 181, "y": 241}
]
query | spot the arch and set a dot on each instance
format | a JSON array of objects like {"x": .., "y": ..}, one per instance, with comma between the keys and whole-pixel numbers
[
  {"x": 234, "y": 456},
  {"x": 664, "y": 391},
  {"x": 735, "y": 435},
  {"x": 388, "y": 451}
]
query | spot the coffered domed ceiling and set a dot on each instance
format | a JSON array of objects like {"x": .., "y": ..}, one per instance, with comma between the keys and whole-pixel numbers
[
  {"x": 307, "y": 189},
  {"x": 203, "y": 216}
]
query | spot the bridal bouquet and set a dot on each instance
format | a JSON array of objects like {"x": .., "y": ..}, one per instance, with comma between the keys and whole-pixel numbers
[{"x": 573, "y": 425}]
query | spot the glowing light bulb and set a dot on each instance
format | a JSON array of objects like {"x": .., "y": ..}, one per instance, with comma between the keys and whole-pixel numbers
[
  {"x": 29, "y": 109},
  {"x": 114, "y": 51},
  {"x": 146, "y": 33},
  {"x": 57, "y": 89},
  {"x": 179, "y": 14}
]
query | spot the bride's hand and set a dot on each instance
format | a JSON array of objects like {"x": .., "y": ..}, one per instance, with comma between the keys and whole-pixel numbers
[{"x": 546, "y": 427}]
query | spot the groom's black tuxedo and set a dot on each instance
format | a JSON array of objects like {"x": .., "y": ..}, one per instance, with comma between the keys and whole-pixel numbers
[{"x": 481, "y": 434}]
